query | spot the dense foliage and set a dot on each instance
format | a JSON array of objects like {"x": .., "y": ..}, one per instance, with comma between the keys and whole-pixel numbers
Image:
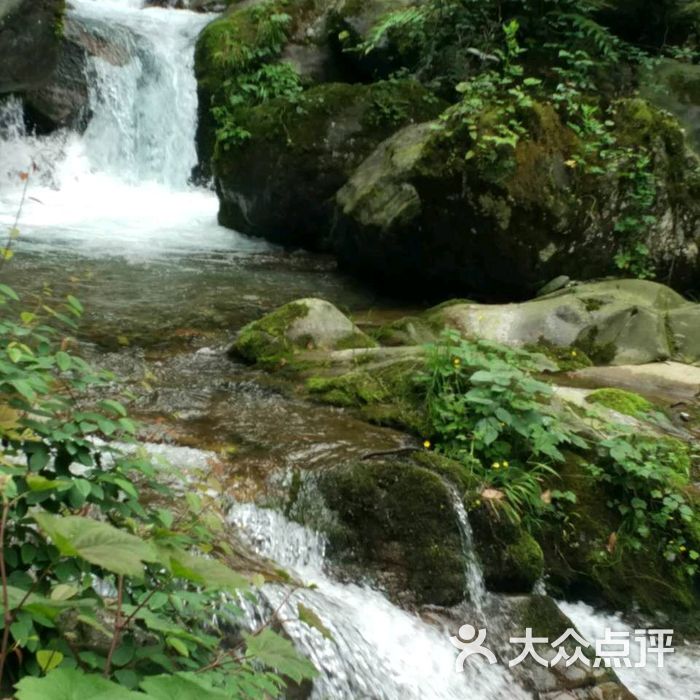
[
  {"x": 489, "y": 411},
  {"x": 111, "y": 583}
]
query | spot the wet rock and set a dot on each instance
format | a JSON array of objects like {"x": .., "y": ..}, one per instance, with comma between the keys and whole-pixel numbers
[
  {"x": 397, "y": 519},
  {"x": 560, "y": 682},
  {"x": 30, "y": 37},
  {"x": 305, "y": 324},
  {"x": 503, "y": 223},
  {"x": 63, "y": 99},
  {"x": 511, "y": 558}
]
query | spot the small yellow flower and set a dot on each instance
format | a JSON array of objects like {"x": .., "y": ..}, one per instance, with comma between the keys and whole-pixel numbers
[
  {"x": 477, "y": 502},
  {"x": 682, "y": 548},
  {"x": 427, "y": 444},
  {"x": 456, "y": 361},
  {"x": 573, "y": 353},
  {"x": 570, "y": 163},
  {"x": 505, "y": 465},
  {"x": 495, "y": 465}
]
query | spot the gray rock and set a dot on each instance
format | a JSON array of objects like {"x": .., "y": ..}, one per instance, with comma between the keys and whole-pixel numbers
[
  {"x": 30, "y": 36},
  {"x": 615, "y": 322}
]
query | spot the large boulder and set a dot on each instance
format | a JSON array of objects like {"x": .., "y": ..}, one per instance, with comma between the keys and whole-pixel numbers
[
  {"x": 614, "y": 322},
  {"x": 397, "y": 520},
  {"x": 30, "y": 38},
  {"x": 418, "y": 215},
  {"x": 305, "y": 324},
  {"x": 280, "y": 182}
]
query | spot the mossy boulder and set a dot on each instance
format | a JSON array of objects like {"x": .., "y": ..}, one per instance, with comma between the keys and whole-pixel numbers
[
  {"x": 511, "y": 558},
  {"x": 509, "y": 219},
  {"x": 305, "y": 324},
  {"x": 610, "y": 322},
  {"x": 398, "y": 522},
  {"x": 30, "y": 40},
  {"x": 280, "y": 182}
]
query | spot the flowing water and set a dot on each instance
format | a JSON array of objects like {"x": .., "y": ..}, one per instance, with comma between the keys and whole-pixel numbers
[{"x": 110, "y": 216}]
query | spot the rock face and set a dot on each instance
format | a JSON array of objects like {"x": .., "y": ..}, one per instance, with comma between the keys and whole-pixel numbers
[
  {"x": 30, "y": 37},
  {"x": 280, "y": 183},
  {"x": 505, "y": 231},
  {"x": 63, "y": 99}
]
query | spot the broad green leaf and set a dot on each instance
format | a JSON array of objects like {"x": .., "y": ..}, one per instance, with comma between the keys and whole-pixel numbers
[
  {"x": 8, "y": 292},
  {"x": 71, "y": 684},
  {"x": 64, "y": 591},
  {"x": 205, "y": 572},
  {"x": 97, "y": 542},
  {"x": 310, "y": 618},
  {"x": 177, "y": 644},
  {"x": 114, "y": 406},
  {"x": 48, "y": 659},
  {"x": 36, "y": 482},
  {"x": 280, "y": 654},
  {"x": 180, "y": 687},
  {"x": 40, "y": 606}
]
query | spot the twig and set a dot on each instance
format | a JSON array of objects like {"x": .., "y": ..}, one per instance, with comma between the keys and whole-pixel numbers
[
  {"x": 118, "y": 626},
  {"x": 5, "y": 593}
]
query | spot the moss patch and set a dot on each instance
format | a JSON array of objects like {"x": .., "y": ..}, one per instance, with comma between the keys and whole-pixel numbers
[{"x": 626, "y": 402}]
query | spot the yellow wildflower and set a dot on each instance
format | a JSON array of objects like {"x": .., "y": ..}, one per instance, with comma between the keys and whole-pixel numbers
[
  {"x": 682, "y": 548},
  {"x": 456, "y": 361},
  {"x": 573, "y": 353},
  {"x": 505, "y": 465},
  {"x": 570, "y": 163},
  {"x": 495, "y": 465},
  {"x": 427, "y": 444}
]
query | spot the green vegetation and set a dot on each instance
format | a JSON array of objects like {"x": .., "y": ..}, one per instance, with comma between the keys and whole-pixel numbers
[
  {"x": 236, "y": 58},
  {"x": 543, "y": 472},
  {"x": 553, "y": 53},
  {"x": 109, "y": 578},
  {"x": 626, "y": 402}
]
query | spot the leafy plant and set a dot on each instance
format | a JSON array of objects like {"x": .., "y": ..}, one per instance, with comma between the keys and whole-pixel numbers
[
  {"x": 110, "y": 581},
  {"x": 488, "y": 411}
]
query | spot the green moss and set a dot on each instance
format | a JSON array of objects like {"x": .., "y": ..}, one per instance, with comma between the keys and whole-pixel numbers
[
  {"x": 264, "y": 341},
  {"x": 626, "y": 402},
  {"x": 567, "y": 359},
  {"x": 355, "y": 341},
  {"x": 385, "y": 394},
  {"x": 399, "y": 518},
  {"x": 511, "y": 558}
]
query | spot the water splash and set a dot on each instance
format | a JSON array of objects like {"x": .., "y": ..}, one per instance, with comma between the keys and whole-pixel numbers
[
  {"x": 373, "y": 649},
  {"x": 677, "y": 680}
]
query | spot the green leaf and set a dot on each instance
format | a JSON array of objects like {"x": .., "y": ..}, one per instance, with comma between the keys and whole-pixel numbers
[
  {"x": 48, "y": 659},
  {"x": 179, "y": 646},
  {"x": 205, "y": 572},
  {"x": 310, "y": 618},
  {"x": 99, "y": 543},
  {"x": 180, "y": 686},
  {"x": 279, "y": 653},
  {"x": 115, "y": 406},
  {"x": 64, "y": 361},
  {"x": 71, "y": 684}
]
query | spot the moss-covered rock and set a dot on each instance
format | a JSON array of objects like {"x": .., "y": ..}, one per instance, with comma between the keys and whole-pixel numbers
[
  {"x": 305, "y": 324},
  {"x": 511, "y": 558},
  {"x": 30, "y": 39},
  {"x": 610, "y": 322},
  {"x": 399, "y": 522},
  {"x": 507, "y": 220},
  {"x": 626, "y": 402},
  {"x": 280, "y": 182}
]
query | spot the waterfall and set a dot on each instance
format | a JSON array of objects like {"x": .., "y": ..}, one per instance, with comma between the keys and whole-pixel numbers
[
  {"x": 474, "y": 577},
  {"x": 122, "y": 187},
  {"x": 373, "y": 648}
]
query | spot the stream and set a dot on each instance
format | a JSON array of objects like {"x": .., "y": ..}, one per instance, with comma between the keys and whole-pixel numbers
[{"x": 111, "y": 217}]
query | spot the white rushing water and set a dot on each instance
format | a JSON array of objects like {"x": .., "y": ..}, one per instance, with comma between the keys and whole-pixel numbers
[
  {"x": 121, "y": 188},
  {"x": 375, "y": 650},
  {"x": 677, "y": 680}
]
